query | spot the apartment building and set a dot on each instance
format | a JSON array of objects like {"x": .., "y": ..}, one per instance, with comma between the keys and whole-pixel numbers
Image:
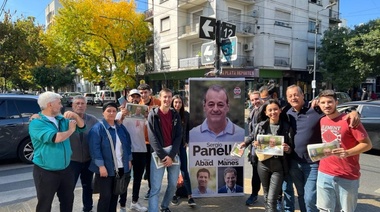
[{"x": 275, "y": 39}]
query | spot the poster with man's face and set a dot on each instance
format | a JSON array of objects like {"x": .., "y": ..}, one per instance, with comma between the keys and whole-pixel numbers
[{"x": 217, "y": 118}]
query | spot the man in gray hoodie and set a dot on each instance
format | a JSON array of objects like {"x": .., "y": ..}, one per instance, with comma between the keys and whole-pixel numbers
[{"x": 80, "y": 159}]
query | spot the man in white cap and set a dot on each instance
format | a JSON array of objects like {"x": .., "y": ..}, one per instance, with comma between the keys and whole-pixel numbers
[{"x": 135, "y": 128}]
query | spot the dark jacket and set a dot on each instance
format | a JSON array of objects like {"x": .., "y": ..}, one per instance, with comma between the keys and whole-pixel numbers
[
  {"x": 79, "y": 146},
  {"x": 185, "y": 128},
  {"x": 285, "y": 130},
  {"x": 100, "y": 147},
  {"x": 155, "y": 133}
]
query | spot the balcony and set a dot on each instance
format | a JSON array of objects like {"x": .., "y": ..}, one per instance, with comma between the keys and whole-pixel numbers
[
  {"x": 282, "y": 61},
  {"x": 189, "y": 63},
  {"x": 334, "y": 17},
  {"x": 243, "y": 2},
  {"x": 188, "y": 32},
  {"x": 149, "y": 14},
  {"x": 242, "y": 62},
  {"x": 244, "y": 29},
  {"x": 186, "y": 4}
]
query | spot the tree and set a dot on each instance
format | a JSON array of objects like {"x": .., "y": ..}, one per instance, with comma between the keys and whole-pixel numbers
[
  {"x": 20, "y": 49},
  {"x": 364, "y": 47},
  {"x": 350, "y": 56},
  {"x": 336, "y": 60},
  {"x": 55, "y": 77},
  {"x": 102, "y": 36}
]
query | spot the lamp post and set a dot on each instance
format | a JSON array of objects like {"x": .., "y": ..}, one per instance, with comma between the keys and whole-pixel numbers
[{"x": 314, "y": 82}]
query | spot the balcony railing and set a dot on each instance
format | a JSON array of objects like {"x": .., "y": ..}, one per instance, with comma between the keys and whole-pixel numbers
[
  {"x": 192, "y": 62},
  {"x": 188, "y": 29},
  {"x": 334, "y": 15},
  {"x": 243, "y": 27},
  {"x": 148, "y": 14},
  {"x": 282, "y": 61},
  {"x": 195, "y": 62}
]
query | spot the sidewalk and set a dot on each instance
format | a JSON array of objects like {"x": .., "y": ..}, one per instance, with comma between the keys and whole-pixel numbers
[{"x": 220, "y": 204}]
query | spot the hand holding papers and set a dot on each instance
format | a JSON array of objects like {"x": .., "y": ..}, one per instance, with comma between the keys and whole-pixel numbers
[
  {"x": 322, "y": 150},
  {"x": 270, "y": 145},
  {"x": 237, "y": 150}
]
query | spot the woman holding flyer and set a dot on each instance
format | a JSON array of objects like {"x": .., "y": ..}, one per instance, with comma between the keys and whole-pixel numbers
[{"x": 272, "y": 166}]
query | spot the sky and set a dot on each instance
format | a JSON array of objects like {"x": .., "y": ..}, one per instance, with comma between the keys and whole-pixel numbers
[{"x": 354, "y": 11}]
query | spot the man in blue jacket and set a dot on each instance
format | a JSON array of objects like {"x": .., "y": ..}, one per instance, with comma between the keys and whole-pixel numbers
[{"x": 52, "y": 152}]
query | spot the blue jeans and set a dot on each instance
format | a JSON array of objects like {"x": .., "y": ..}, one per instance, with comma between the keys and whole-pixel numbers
[
  {"x": 287, "y": 187},
  {"x": 304, "y": 176},
  {"x": 156, "y": 176},
  {"x": 335, "y": 193},
  {"x": 86, "y": 180},
  {"x": 184, "y": 169}
]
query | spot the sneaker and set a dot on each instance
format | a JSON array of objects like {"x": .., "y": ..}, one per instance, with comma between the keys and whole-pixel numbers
[
  {"x": 136, "y": 206},
  {"x": 191, "y": 202},
  {"x": 252, "y": 199},
  {"x": 147, "y": 195},
  {"x": 175, "y": 200},
  {"x": 279, "y": 205},
  {"x": 165, "y": 210}
]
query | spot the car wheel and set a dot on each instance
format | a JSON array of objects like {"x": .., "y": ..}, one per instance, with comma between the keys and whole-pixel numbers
[{"x": 26, "y": 151}]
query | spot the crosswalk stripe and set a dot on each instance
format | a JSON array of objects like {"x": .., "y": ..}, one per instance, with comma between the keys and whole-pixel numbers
[{"x": 16, "y": 178}]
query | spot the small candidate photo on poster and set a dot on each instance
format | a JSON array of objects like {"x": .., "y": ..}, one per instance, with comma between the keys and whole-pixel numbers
[
  {"x": 230, "y": 180},
  {"x": 203, "y": 181}
]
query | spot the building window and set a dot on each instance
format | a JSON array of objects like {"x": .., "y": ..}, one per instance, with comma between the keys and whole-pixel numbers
[
  {"x": 310, "y": 56},
  {"x": 195, "y": 19},
  {"x": 311, "y": 27},
  {"x": 281, "y": 54},
  {"x": 319, "y": 2},
  {"x": 165, "y": 58},
  {"x": 196, "y": 49},
  {"x": 234, "y": 15},
  {"x": 165, "y": 24},
  {"x": 282, "y": 18}
]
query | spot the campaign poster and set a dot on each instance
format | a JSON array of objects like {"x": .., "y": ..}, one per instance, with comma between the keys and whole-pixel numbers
[{"x": 217, "y": 123}]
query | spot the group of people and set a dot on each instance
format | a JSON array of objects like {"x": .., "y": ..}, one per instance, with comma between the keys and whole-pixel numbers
[
  {"x": 76, "y": 144},
  {"x": 328, "y": 185}
]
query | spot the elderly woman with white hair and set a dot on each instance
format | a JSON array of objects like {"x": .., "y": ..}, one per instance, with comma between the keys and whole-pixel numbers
[{"x": 50, "y": 132}]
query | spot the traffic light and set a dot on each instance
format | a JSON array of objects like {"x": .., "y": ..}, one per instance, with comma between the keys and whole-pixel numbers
[{"x": 226, "y": 47}]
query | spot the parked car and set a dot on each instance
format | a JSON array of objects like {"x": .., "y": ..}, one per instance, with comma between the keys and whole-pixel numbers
[
  {"x": 90, "y": 98},
  {"x": 67, "y": 98},
  {"x": 15, "y": 111},
  {"x": 369, "y": 115}
]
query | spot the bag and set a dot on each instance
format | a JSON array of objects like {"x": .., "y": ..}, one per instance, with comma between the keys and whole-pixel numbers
[
  {"x": 180, "y": 181},
  {"x": 95, "y": 184},
  {"x": 120, "y": 185}
]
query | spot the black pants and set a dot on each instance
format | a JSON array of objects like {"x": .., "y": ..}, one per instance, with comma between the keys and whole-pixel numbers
[
  {"x": 107, "y": 200},
  {"x": 147, "y": 166},
  {"x": 139, "y": 163},
  {"x": 255, "y": 181},
  {"x": 271, "y": 174},
  {"x": 81, "y": 169},
  {"x": 48, "y": 183}
]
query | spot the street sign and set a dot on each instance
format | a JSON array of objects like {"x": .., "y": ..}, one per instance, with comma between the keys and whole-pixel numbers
[
  {"x": 207, "y": 27},
  {"x": 208, "y": 53},
  {"x": 234, "y": 49},
  {"x": 228, "y": 30}
]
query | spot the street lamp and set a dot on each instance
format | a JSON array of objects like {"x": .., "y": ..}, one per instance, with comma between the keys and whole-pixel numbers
[{"x": 314, "y": 82}]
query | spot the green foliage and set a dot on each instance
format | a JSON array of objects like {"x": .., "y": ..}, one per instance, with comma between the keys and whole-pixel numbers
[
  {"x": 350, "y": 56},
  {"x": 55, "y": 77},
  {"x": 105, "y": 38}
]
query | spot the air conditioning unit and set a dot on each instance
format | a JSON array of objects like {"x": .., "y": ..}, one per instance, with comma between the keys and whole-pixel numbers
[
  {"x": 255, "y": 13},
  {"x": 248, "y": 47}
]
